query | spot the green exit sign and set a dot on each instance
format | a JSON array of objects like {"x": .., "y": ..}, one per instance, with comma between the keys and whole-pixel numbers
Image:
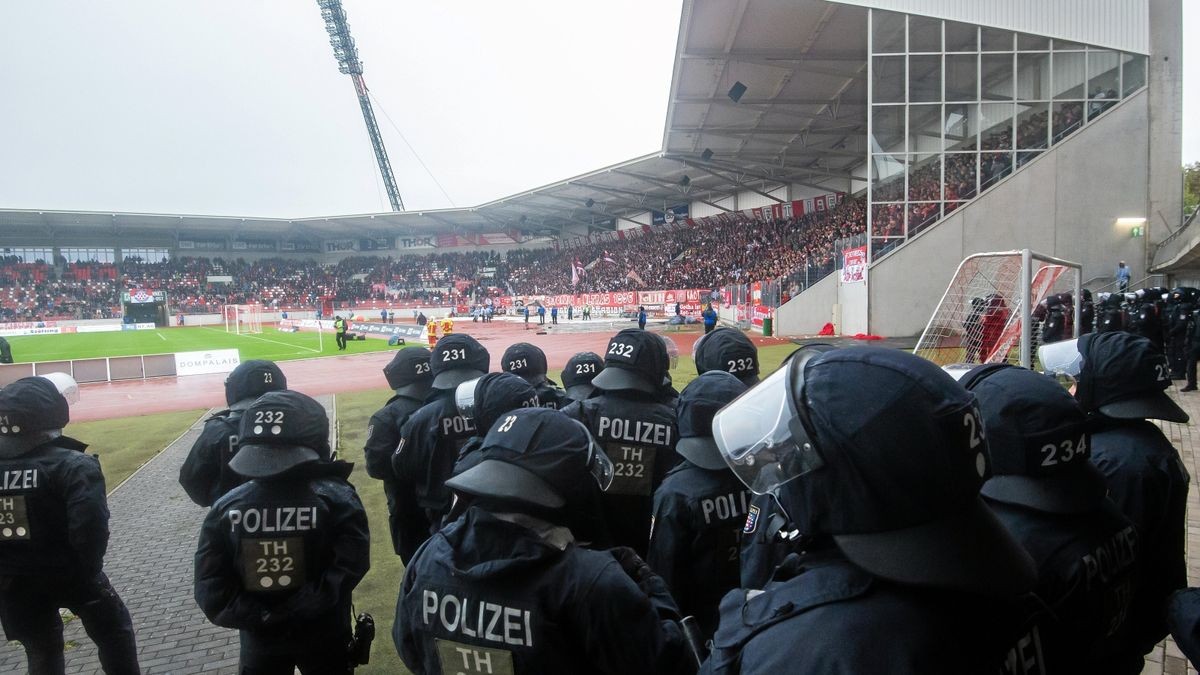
[{"x": 1136, "y": 230}]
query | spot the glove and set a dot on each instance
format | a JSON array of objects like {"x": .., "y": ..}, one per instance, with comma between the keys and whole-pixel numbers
[{"x": 631, "y": 563}]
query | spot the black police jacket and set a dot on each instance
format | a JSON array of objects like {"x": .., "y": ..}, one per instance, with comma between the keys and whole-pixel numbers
[
  {"x": 833, "y": 617},
  {"x": 550, "y": 396},
  {"x": 279, "y": 558},
  {"x": 1087, "y": 565},
  {"x": 53, "y": 512},
  {"x": 516, "y": 593},
  {"x": 383, "y": 435},
  {"x": 205, "y": 474},
  {"x": 638, "y": 434},
  {"x": 694, "y": 543},
  {"x": 429, "y": 445},
  {"x": 1149, "y": 484},
  {"x": 767, "y": 539}
]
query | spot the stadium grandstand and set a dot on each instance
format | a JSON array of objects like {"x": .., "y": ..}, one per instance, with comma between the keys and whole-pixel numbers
[
  {"x": 905, "y": 134},
  {"x": 849, "y": 169}
]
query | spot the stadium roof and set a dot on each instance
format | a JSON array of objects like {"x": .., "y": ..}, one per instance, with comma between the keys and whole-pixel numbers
[{"x": 800, "y": 119}]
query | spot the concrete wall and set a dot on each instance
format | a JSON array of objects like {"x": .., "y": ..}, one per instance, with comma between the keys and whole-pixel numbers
[
  {"x": 1164, "y": 209},
  {"x": 1064, "y": 203},
  {"x": 806, "y": 313}
]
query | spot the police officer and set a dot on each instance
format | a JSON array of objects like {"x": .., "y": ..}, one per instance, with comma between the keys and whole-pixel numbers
[
  {"x": 1052, "y": 499},
  {"x": 1193, "y": 351},
  {"x": 904, "y": 569},
  {"x": 5, "y": 351},
  {"x": 635, "y": 428},
  {"x": 506, "y": 589},
  {"x": 700, "y": 508},
  {"x": 53, "y": 534},
  {"x": 485, "y": 400},
  {"x": 279, "y": 557},
  {"x": 339, "y": 329},
  {"x": 728, "y": 350},
  {"x": 1121, "y": 382},
  {"x": 433, "y": 436},
  {"x": 205, "y": 474},
  {"x": 1087, "y": 313},
  {"x": 578, "y": 374},
  {"x": 768, "y": 535},
  {"x": 1112, "y": 316},
  {"x": 529, "y": 362},
  {"x": 409, "y": 375}
]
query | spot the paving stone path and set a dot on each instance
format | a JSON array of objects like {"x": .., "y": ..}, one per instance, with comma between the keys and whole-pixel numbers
[{"x": 154, "y": 530}]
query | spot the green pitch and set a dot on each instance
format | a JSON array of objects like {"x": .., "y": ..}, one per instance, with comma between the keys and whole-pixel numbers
[{"x": 270, "y": 344}]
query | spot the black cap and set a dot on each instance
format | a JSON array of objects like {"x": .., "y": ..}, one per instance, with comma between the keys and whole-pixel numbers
[
  {"x": 1037, "y": 441},
  {"x": 252, "y": 379},
  {"x": 525, "y": 360},
  {"x": 904, "y": 455},
  {"x": 280, "y": 430},
  {"x": 456, "y": 359},
  {"x": 579, "y": 372},
  {"x": 32, "y": 411},
  {"x": 697, "y": 404},
  {"x": 1125, "y": 376},
  {"x": 536, "y": 456},
  {"x": 635, "y": 360},
  {"x": 408, "y": 373},
  {"x": 496, "y": 394},
  {"x": 728, "y": 350}
]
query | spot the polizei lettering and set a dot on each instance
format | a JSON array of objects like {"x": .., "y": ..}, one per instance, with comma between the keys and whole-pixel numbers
[
  {"x": 1112, "y": 557},
  {"x": 457, "y": 426},
  {"x": 635, "y": 431},
  {"x": 277, "y": 519},
  {"x": 19, "y": 479},
  {"x": 725, "y": 507},
  {"x": 477, "y": 619}
]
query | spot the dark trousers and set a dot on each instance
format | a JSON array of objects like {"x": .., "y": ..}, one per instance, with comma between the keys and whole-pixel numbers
[
  {"x": 1191, "y": 369},
  {"x": 29, "y": 613},
  {"x": 341, "y": 340},
  {"x": 709, "y": 327},
  {"x": 541, "y": 319},
  {"x": 330, "y": 662}
]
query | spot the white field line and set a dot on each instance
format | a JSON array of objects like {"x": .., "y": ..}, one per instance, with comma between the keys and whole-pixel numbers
[{"x": 285, "y": 344}]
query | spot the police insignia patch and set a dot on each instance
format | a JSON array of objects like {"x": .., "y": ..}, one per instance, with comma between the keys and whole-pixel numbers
[
  {"x": 370, "y": 430},
  {"x": 751, "y": 520}
]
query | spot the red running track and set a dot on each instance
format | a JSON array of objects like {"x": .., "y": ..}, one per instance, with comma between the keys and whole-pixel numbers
[{"x": 339, "y": 374}]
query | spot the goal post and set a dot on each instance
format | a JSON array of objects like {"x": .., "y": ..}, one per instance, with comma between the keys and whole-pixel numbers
[
  {"x": 990, "y": 312},
  {"x": 243, "y": 319}
]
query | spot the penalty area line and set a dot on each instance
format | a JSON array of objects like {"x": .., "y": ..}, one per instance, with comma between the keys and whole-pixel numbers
[{"x": 263, "y": 339}]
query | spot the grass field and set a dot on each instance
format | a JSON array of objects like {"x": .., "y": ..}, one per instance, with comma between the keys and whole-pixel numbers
[
  {"x": 378, "y": 591},
  {"x": 270, "y": 344},
  {"x": 121, "y": 453}
]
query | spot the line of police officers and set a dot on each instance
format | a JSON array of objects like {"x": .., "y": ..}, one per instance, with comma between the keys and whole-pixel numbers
[{"x": 857, "y": 511}]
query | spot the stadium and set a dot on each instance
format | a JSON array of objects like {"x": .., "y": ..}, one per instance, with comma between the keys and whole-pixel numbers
[{"x": 826, "y": 167}]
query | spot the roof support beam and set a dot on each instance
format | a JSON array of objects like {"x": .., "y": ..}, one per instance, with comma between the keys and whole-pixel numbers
[
  {"x": 735, "y": 180},
  {"x": 682, "y": 193},
  {"x": 602, "y": 210}
]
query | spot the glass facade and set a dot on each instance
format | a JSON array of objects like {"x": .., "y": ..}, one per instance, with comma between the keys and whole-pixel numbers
[
  {"x": 954, "y": 108},
  {"x": 147, "y": 255},
  {"x": 100, "y": 255},
  {"x": 27, "y": 254}
]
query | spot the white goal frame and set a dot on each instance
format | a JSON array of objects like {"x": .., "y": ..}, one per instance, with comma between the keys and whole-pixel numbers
[
  {"x": 1018, "y": 281},
  {"x": 243, "y": 319}
]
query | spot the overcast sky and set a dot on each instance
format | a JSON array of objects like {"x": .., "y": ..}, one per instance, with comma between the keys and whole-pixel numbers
[{"x": 237, "y": 108}]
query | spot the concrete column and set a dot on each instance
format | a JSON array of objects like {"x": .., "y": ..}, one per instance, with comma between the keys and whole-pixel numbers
[{"x": 1165, "y": 88}]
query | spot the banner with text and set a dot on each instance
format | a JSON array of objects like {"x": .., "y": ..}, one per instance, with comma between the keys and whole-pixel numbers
[
  {"x": 854, "y": 265},
  {"x": 204, "y": 363}
]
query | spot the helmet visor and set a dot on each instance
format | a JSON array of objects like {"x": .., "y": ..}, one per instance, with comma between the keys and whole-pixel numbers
[
  {"x": 760, "y": 434},
  {"x": 464, "y": 398},
  {"x": 1061, "y": 358}
]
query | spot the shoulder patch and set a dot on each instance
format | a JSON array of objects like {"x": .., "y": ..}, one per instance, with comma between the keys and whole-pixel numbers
[
  {"x": 370, "y": 430},
  {"x": 751, "y": 520}
]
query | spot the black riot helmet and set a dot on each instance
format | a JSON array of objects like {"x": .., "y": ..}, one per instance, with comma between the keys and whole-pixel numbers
[
  {"x": 252, "y": 379},
  {"x": 32, "y": 412},
  {"x": 537, "y": 457},
  {"x": 281, "y": 430},
  {"x": 409, "y": 372},
  {"x": 729, "y": 350},
  {"x": 891, "y": 471},
  {"x": 485, "y": 399}
]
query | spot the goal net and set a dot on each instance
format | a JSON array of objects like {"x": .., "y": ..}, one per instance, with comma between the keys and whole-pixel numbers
[
  {"x": 1000, "y": 307},
  {"x": 243, "y": 319}
]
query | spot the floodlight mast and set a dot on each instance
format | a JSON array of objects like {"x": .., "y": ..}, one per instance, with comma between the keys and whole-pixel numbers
[{"x": 348, "y": 64}]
